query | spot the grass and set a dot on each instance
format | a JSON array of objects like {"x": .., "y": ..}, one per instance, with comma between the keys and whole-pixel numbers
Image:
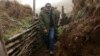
[
  {"x": 23, "y": 24},
  {"x": 14, "y": 18}
]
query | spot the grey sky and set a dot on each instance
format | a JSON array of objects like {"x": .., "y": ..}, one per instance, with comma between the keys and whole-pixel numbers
[{"x": 57, "y": 3}]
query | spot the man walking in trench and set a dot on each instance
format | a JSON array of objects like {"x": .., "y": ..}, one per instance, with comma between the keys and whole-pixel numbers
[{"x": 48, "y": 22}]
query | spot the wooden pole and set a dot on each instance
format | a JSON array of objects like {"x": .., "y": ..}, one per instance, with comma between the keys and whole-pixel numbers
[
  {"x": 62, "y": 12},
  {"x": 34, "y": 7}
]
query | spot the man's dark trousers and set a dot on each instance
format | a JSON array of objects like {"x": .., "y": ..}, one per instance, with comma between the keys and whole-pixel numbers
[{"x": 51, "y": 39}]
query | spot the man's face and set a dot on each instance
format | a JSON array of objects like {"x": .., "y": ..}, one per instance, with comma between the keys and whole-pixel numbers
[{"x": 48, "y": 6}]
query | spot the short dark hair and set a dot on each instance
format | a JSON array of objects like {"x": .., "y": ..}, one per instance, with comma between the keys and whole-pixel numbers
[{"x": 47, "y": 4}]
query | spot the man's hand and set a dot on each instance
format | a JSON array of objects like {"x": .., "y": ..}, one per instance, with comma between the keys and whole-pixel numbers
[{"x": 45, "y": 30}]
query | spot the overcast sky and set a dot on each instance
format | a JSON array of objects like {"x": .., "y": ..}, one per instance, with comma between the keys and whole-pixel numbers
[
  {"x": 39, "y": 3},
  {"x": 58, "y": 3}
]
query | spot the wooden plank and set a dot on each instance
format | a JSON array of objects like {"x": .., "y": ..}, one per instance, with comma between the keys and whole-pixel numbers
[
  {"x": 16, "y": 48},
  {"x": 12, "y": 45},
  {"x": 18, "y": 36}
]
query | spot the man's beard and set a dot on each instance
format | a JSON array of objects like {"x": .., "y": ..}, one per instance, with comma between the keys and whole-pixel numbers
[{"x": 48, "y": 9}]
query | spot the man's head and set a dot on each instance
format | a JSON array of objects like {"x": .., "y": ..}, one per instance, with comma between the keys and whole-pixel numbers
[{"x": 48, "y": 6}]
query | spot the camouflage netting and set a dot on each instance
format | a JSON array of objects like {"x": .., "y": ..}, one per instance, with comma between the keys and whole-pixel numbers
[{"x": 82, "y": 35}]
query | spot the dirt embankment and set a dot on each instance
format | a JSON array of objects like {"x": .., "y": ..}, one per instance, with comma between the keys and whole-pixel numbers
[
  {"x": 14, "y": 17},
  {"x": 82, "y": 35}
]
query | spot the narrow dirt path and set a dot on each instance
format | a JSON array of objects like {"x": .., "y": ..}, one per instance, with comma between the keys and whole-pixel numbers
[{"x": 42, "y": 52}]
